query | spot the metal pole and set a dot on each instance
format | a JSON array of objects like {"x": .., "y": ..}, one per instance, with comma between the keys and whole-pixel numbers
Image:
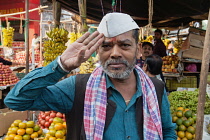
[
  {"x": 27, "y": 35},
  {"x": 203, "y": 83}
]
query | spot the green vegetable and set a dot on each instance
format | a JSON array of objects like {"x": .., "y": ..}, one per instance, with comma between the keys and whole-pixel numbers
[{"x": 187, "y": 99}]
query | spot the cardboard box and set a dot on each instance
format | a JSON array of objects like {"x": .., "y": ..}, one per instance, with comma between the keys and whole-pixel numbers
[
  {"x": 195, "y": 53},
  {"x": 8, "y": 116}
]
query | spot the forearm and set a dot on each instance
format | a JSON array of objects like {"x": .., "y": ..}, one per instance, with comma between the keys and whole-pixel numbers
[{"x": 32, "y": 86}]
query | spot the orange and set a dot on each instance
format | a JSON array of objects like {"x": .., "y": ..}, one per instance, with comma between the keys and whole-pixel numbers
[
  {"x": 22, "y": 125},
  {"x": 34, "y": 135},
  {"x": 21, "y": 132},
  {"x": 58, "y": 126},
  {"x": 186, "y": 123},
  {"x": 179, "y": 121},
  {"x": 51, "y": 127},
  {"x": 40, "y": 132},
  {"x": 188, "y": 114},
  {"x": 182, "y": 127},
  {"x": 14, "y": 130},
  {"x": 36, "y": 128},
  {"x": 52, "y": 132},
  {"x": 18, "y": 137},
  {"x": 16, "y": 122},
  {"x": 29, "y": 130},
  {"x": 57, "y": 120},
  {"x": 188, "y": 135},
  {"x": 64, "y": 124},
  {"x": 181, "y": 134},
  {"x": 191, "y": 129},
  {"x": 184, "y": 138},
  {"x": 174, "y": 118},
  {"x": 11, "y": 136},
  {"x": 191, "y": 120},
  {"x": 47, "y": 135},
  {"x": 26, "y": 137},
  {"x": 180, "y": 108},
  {"x": 30, "y": 124},
  {"x": 59, "y": 134},
  {"x": 52, "y": 138},
  {"x": 179, "y": 114}
]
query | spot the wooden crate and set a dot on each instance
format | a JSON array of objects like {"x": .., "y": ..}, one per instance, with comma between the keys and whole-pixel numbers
[
  {"x": 196, "y": 40},
  {"x": 193, "y": 52}
]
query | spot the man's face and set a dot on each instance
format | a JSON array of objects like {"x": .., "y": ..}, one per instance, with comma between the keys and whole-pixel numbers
[
  {"x": 35, "y": 36},
  {"x": 118, "y": 55},
  {"x": 146, "y": 50},
  {"x": 157, "y": 35}
]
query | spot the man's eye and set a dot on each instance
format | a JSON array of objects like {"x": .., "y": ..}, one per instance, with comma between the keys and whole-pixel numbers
[
  {"x": 126, "y": 45},
  {"x": 105, "y": 46}
]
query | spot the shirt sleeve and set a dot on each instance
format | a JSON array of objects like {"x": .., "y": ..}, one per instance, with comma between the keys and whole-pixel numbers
[
  {"x": 168, "y": 126},
  {"x": 40, "y": 90}
]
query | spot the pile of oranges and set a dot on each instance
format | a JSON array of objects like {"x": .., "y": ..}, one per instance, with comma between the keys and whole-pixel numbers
[
  {"x": 57, "y": 130},
  {"x": 185, "y": 123},
  {"x": 20, "y": 130}
]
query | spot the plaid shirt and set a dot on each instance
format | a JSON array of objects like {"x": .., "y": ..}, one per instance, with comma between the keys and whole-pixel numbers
[{"x": 140, "y": 62}]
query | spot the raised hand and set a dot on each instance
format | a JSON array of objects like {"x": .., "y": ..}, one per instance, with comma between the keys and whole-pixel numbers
[{"x": 79, "y": 51}]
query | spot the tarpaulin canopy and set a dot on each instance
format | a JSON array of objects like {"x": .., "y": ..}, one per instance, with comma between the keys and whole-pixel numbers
[{"x": 166, "y": 13}]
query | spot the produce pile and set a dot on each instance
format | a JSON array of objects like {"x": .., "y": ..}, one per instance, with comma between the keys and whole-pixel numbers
[
  {"x": 185, "y": 123},
  {"x": 8, "y": 34},
  {"x": 23, "y": 130},
  {"x": 45, "y": 119},
  {"x": 170, "y": 63},
  {"x": 55, "y": 45},
  {"x": 6, "y": 76},
  {"x": 187, "y": 99},
  {"x": 57, "y": 130}
]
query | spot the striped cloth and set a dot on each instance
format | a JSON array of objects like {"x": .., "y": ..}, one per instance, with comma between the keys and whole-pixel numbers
[{"x": 96, "y": 101}]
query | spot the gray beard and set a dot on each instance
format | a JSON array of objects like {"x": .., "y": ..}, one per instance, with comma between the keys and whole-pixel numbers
[{"x": 123, "y": 75}]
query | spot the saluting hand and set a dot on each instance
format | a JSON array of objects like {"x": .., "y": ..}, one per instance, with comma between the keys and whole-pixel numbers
[{"x": 79, "y": 51}]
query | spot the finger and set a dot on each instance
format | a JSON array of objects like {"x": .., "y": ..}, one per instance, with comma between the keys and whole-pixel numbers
[
  {"x": 83, "y": 37},
  {"x": 93, "y": 42},
  {"x": 91, "y": 37},
  {"x": 89, "y": 52}
]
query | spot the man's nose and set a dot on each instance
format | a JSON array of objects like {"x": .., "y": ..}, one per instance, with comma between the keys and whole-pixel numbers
[{"x": 116, "y": 52}]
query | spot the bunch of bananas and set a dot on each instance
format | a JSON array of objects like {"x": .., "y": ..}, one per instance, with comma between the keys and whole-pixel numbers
[
  {"x": 55, "y": 45},
  {"x": 166, "y": 42},
  {"x": 8, "y": 34},
  {"x": 148, "y": 39},
  {"x": 177, "y": 46},
  {"x": 74, "y": 36},
  {"x": 88, "y": 66}
]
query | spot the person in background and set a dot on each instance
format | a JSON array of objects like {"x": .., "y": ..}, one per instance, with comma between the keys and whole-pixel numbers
[
  {"x": 35, "y": 40},
  {"x": 5, "y": 62},
  {"x": 159, "y": 46},
  {"x": 153, "y": 66},
  {"x": 146, "y": 50},
  {"x": 117, "y": 101}
]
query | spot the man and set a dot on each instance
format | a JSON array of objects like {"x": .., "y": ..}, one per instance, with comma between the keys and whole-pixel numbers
[
  {"x": 35, "y": 40},
  {"x": 159, "y": 47},
  {"x": 114, "y": 105},
  {"x": 146, "y": 50}
]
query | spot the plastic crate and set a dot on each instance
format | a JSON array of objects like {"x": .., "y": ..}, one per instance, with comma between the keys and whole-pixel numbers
[{"x": 187, "y": 81}]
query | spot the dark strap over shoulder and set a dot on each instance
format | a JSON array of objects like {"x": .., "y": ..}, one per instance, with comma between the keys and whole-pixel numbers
[{"x": 74, "y": 119}]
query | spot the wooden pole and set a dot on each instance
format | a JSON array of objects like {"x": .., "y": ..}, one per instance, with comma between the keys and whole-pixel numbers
[
  {"x": 203, "y": 83},
  {"x": 1, "y": 33},
  {"x": 56, "y": 13},
  {"x": 83, "y": 14},
  {"x": 40, "y": 48},
  {"x": 27, "y": 36}
]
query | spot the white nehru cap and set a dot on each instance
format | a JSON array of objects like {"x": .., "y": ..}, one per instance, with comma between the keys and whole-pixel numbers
[{"x": 114, "y": 24}]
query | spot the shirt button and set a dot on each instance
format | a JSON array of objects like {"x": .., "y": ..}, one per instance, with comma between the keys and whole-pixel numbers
[
  {"x": 126, "y": 110},
  {"x": 128, "y": 137},
  {"x": 53, "y": 69}
]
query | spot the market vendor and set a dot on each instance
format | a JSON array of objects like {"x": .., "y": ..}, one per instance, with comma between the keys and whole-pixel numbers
[
  {"x": 159, "y": 46},
  {"x": 117, "y": 101}
]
